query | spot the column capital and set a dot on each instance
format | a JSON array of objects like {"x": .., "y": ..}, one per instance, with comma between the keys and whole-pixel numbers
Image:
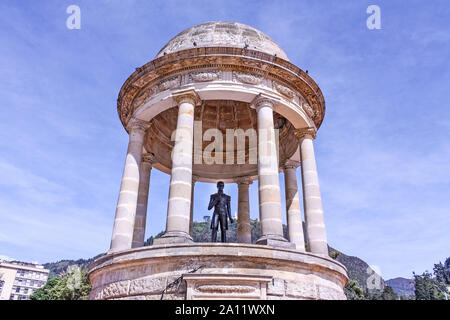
[
  {"x": 195, "y": 178},
  {"x": 305, "y": 133},
  {"x": 244, "y": 180},
  {"x": 187, "y": 96},
  {"x": 262, "y": 101},
  {"x": 291, "y": 164},
  {"x": 148, "y": 157},
  {"x": 137, "y": 124}
]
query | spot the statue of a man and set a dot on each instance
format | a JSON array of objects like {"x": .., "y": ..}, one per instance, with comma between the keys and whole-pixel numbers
[{"x": 222, "y": 210}]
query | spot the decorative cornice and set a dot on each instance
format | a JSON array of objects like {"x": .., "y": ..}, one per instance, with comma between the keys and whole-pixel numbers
[
  {"x": 291, "y": 164},
  {"x": 137, "y": 124},
  {"x": 187, "y": 96},
  {"x": 183, "y": 62},
  {"x": 305, "y": 133}
]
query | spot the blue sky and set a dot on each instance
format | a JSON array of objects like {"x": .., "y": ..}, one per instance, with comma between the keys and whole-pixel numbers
[{"x": 382, "y": 152}]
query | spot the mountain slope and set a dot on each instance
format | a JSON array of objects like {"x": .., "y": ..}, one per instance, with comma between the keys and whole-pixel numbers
[{"x": 402, "y": 286}]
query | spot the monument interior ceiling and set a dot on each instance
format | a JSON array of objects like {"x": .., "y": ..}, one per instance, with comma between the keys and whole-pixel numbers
[{"x": 222, "y": 115}]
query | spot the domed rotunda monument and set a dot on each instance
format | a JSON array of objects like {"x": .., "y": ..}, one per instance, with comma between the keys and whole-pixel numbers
[{"x": 220, "y": 102}]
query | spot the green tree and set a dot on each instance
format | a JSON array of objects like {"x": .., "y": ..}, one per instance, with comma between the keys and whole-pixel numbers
[
  {"x": 46, "y": 292},
  {"x": 334, "y": 254},
  {"x": 73, "y": 286},
  {"x": 442, "y": 272},
  {"x": 389, "y": 294},
  {"x": 427, "y": 288},
  {"x": 353, "y": 291}
]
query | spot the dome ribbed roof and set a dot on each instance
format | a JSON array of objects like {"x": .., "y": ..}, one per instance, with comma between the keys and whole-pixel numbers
[{"x": 223, "y": 34}]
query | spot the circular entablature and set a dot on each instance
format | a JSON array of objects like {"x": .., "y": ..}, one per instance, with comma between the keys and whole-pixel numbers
[{"x": 209, "y": 65}]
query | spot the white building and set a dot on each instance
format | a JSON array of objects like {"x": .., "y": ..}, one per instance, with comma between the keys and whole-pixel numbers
[{"x": 18, "y": 280}]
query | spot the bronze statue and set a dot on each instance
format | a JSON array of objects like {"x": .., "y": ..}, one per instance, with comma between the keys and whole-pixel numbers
[{"x": 222, "y": 210}]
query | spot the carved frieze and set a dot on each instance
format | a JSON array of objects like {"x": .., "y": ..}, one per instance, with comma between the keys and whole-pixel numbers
[
  {"x": 283, "y": 90},
  {"x": 115, "y": 289},
  {"x": 204, "y": 76},
  {"x": 246, "y": 78},
  {"x": 309, "y": 111},
  {"x": 168, "y": 83}
]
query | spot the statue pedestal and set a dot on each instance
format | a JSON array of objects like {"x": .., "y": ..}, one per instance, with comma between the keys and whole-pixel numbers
[{"x": 216, "y": 271}]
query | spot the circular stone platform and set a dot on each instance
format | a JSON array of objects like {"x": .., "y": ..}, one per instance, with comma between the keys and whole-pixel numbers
[{"x": 216, "y": 270}]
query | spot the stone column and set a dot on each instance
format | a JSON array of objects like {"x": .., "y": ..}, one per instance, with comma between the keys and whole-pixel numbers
[
  {"x": 293, "y": 213},
  {"x": 312, "y": 201},
  {"x": 141, "y": 209},
  {"x": 191, "y": 219},
  {"x": 244, "y": 231},
  {"x": 269, "y": 184},
  {"x": 122, "y": 235},
  {"x": 179, "y": 204}
]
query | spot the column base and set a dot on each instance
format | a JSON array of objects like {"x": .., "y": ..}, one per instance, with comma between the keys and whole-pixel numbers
[
  {"x": 275, "y": 241},
  {"x": 174, "y": 237}
]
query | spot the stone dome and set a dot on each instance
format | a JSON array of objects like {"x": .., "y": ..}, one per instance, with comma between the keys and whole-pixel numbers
[{"x": 223, "y": 34}]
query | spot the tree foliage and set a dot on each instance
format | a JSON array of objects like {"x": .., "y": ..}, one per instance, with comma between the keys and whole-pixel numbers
[
  {"x": 442, "y": 272},
  {"x": 428, "y": 288},
  {"x": 387, "y": 293},
  {"x": 353, "y": 291},
  {"x": 73, "y": 286}
]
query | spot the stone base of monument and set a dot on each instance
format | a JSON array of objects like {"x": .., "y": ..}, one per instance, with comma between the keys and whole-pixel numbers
[
  {"x": 216, "y": 271},
  {"x": 275, "y": 241},
  {"x": 173, "y": 237}
]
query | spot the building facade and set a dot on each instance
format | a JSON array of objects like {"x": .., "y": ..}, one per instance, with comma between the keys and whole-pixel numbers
[{"x": 18, "y": 280}]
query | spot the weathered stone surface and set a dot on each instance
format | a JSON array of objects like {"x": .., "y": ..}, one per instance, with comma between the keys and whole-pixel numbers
[
  {"x": 302, "y": 290},
  {"x": 115, "y": 289},
  {"x": 276, "y": 287}
]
